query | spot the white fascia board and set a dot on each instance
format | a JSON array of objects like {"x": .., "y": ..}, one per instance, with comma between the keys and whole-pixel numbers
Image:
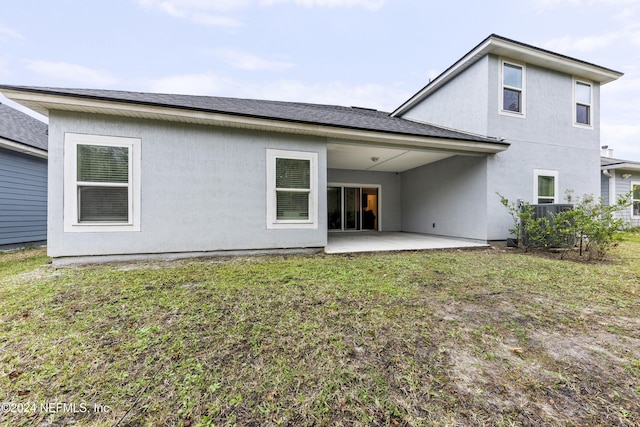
[
  {"x": 542, "y": 58},
  {"x": 623, "y": 166},
  {"x": 22, "y": 148},
  {"x": 46, "y": 102}
]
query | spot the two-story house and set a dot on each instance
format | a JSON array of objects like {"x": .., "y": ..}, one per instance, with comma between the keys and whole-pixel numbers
[
  {"x": 141, "y": 173},
  {"x": 545, "y": 105}
]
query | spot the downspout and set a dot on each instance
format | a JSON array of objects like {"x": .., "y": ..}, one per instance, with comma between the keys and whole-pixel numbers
[{"x": 612, "y": 186}]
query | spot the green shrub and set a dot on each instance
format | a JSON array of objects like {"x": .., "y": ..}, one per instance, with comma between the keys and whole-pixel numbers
[{"x": 589, "y": 222}]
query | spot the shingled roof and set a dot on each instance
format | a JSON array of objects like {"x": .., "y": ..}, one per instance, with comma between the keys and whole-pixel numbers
[
  {"x": 19, "y": 127},
  {"x": 611, "y": 163},
  {"x": 295, "y": 112}
]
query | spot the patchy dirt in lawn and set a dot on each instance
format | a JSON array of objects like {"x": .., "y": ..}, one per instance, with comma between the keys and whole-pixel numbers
[{"x": 449, "y": 338}]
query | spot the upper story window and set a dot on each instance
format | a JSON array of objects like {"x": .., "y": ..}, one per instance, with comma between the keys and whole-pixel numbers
[
  {"x": 292, "y": 189},
  {"x": 583, "y": 98},
  {"x": 512, "y": 99},
  {"x": 102, "y": 183}
]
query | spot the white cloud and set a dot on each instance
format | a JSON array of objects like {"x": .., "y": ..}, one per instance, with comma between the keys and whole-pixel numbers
[
  {"x": 251, "y": 62},
  {"x": 627, "y": 13},
  {"x": 368, "y": 95},
  {"x": 622, "y": 88},
  {"x": 633, "y": 35},
  {"x": 200, "y": 11},
  {"x": 582, "y": 44},
  {"x": 192, "y": 84},
  {"x": 552, "y": 4},
  {"x": 5, "y": 31},
  {"x": 335, "y": 93},
  {"x": 4, "y": 69},
  {"x": 623, "y": 34},
  {"x": 215, "y": 20},
  {"x": 367, "y": 4},
  {"x": 184, "y": 7},
  {"x": 623, "y": 139},
  {"x": 71, "y": 73}
]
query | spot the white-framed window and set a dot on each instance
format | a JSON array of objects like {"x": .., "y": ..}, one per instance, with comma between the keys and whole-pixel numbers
[
  {"x": 512, "y": 88},
  {"x": 292, "y": 189},
  {"x": 635, "y": 198},
  {"x": 582, "y": 103},
  {"x": 545, "y": 186},
  {"x": 101, "y": 183}
]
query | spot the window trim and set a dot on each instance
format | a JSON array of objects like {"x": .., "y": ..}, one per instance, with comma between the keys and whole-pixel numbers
[
  {"x": 632, "y": 184},
  {"x": 70, "y": 199},
  {"x": 523, "y": 91},
  {"x": 272, "y": 221},
  {"x": 575, "y": 104},
  {"x": 545, "y": 172}
]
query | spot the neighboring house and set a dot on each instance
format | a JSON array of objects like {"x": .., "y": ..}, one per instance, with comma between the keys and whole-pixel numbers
[
  {"x": 23, "y": 178},
  {"x": 619, "y": 178},
  {"x": 141, "y": 173}
]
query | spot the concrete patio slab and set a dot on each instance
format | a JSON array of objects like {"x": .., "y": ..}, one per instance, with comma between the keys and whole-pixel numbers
[{"x": 347, "y": 242}]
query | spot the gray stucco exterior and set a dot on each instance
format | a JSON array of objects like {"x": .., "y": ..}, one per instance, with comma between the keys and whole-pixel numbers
[
  {"x": 446, "y": 198},
  {"x": 23, "y": 198},
  {"x": 462, "y": 104},
  {"x": 203, "y": 189},
  {"x": 543, "y": 138}
]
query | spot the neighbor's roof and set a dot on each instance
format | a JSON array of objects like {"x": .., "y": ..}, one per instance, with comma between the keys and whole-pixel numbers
[
  {"x": 611, "y": 163},
  {"x": 517, "y": 51},
  {"x": 21, "y": 128},
  {"x": 227, "y": 111}
]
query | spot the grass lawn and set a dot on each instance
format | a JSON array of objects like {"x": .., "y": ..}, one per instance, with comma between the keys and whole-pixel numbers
[{"x": 484, "y": 337}]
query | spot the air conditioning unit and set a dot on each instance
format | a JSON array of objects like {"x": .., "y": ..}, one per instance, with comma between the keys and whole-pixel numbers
[{"x": 548, "y": 211}]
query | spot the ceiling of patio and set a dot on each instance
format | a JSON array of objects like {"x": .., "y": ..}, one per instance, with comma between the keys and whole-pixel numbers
[{"x": 379, "y": 159}]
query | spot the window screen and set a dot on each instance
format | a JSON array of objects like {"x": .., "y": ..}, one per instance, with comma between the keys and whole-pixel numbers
[
  {"x": 512, "y": 88},
  {"x": 102, "y": 183},
  {"x": 546, "y": 189},
  {"x": 293, "y": 186},
  {"x": 583, "y": 103}
]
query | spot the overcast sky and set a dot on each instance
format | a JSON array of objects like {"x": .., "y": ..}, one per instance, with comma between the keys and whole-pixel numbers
[{"x": 369, "y": 53}]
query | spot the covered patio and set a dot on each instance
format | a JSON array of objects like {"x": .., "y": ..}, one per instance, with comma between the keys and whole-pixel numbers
[{"x": 374, "y": 241}]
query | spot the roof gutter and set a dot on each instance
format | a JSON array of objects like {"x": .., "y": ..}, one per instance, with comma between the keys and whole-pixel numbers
[
  {"x": 622, "y": 166},
  {"x": 22, "y": 148}
]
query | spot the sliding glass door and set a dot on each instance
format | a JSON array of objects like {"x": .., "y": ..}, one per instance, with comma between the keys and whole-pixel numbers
[
  {"x": 352, "y": 208},
  {"x": 334, "y": 206}
]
